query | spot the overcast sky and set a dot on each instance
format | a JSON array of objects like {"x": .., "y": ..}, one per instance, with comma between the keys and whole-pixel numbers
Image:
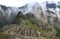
[{"x": 18, "y": 3}]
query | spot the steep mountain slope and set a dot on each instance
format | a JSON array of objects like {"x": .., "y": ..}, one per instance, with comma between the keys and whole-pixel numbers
[
  {"x": 42, "y": 11},
  {"x": 28, "y": 27}
]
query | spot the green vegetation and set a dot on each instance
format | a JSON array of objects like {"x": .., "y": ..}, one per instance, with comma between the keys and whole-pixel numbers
[
  {"x": 31, "y": 25},
  {"x": 3, "y": 36},
  {"x": 58, "y": 33}
]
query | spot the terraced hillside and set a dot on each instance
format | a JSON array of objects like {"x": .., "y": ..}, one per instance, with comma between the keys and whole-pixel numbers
[{"x": 28, "y": 27}]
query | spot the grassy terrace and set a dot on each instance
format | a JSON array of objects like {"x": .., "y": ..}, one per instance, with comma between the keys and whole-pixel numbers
[
  {"x": 3, "y": 36},
  {"x": 31, "y": 25}
]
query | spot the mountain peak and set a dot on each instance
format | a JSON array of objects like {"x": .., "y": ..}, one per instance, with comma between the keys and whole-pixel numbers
[{"x": 3, "y": 7}]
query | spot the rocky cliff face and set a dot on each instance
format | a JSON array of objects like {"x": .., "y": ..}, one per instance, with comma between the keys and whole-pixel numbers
[
  {"x": 49, "y": 15},
  {"x": 7, "y": 14}
]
